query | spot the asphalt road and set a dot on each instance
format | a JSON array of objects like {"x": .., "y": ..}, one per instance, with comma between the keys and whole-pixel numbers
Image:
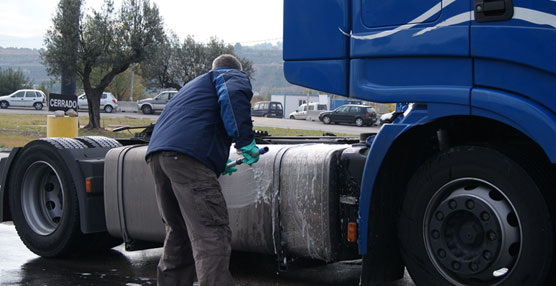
[
  {"x": 19, "y": 266},
  {"x": 258, "y": 121}
]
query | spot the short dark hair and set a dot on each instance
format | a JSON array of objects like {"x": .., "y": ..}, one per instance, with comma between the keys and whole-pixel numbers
[{"x": 226, "y": 61}]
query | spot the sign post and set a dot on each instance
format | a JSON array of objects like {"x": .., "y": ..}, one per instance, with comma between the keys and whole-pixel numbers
[{"x": 62, "y": 126}]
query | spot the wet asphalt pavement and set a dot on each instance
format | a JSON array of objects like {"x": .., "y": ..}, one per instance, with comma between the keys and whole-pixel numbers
[{"x": 19, "y": 266}]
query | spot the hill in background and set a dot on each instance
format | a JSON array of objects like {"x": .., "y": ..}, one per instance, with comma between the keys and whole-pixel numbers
[
  {"x": 26, "y": 60},
  {"x": 269, "y": 73},
  {"x": 266, "y": 58}
]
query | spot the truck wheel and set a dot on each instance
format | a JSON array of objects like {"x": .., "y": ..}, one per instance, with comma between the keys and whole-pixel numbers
[
  {"x": 146, "y": 109},
  {"x": 473, "y": 216},
  {"x": 99, "y": 142},
  {"x": 43, "y": 199},
  {"x": 326, "y": 120}
]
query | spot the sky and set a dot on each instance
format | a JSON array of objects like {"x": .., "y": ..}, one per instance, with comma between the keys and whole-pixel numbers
[{"x": 24, "y": 22}]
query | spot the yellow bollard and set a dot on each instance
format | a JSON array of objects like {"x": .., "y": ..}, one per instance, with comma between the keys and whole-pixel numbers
[{"x": 61, "y": 126}]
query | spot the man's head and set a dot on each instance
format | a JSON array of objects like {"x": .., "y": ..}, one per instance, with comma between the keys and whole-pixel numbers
[{"x": 226, "y": 61}]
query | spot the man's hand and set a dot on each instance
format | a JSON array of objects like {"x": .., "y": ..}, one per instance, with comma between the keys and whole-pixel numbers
[
  {"x": 248, "y": 151},
  {"x": 229, "y": 170}
]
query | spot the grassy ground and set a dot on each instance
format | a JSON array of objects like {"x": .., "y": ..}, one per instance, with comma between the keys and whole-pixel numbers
[{"x": 17, "y": 130}]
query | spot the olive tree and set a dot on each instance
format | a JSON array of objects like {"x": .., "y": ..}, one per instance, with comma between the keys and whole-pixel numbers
[
  {"x": 177, "y": 63},
  {"x": 161, "y": 69},
  {"x": 109, "y": 42}
]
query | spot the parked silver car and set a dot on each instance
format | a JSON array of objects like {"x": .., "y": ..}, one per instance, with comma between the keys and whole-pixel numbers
[
  {"x": 108, "y": 102},
  {"x": 150, "y": 105},
  {"x": 24, "y": 98}
]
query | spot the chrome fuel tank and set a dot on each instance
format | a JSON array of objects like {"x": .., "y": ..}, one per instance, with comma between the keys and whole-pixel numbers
[{"x": 286, "y": 203}]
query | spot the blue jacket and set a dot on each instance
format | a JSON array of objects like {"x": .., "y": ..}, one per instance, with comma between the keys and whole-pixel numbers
[{"x": 205, "y": 117}]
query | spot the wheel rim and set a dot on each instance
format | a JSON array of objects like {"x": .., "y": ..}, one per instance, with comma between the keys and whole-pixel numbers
[
  {"x": 472, "y": 233},
  {"x": 108, "y": 108},
  {"x": 42, "y": 197},
  {"x": 38, "y": 106},
  {"x": 3, "y": 104},
  {"x": 359, "y": 122},
  {"x": 326, "y": 119},
  {"x": 146, "y": 109}
]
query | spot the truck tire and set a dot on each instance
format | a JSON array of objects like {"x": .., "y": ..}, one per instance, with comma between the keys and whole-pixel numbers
[
  {"x": 473, "y": 216},
  {"x": 43, "y": 199},
  {"x": 99, "y": 142}
]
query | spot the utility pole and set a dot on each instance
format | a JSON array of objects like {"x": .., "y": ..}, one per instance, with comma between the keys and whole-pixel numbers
[{"x": 131, "y": 87}]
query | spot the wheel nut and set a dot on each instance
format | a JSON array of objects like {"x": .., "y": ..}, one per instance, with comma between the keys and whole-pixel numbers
[
  {"x": 435, "y": 234},
  {"x": 470, "y": 204},
  {"x": 492, "y": 236},
  {"x": 487, "y": 255},
  {"x": 439, "y": 215},
  {"x": 441, "y": 253},
  {"x": 473, "y": 266},
  {"x": 453, "y": 204},
  {"x": 485, "y": 216},
  {"x": 456, "y": 265}
]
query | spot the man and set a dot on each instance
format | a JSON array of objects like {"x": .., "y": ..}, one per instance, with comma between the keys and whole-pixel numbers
[{"x": 187, "y": 152}]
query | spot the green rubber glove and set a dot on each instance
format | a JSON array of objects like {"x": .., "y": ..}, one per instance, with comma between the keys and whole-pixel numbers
[
  {"x": 246, "y": 151},
  {"x": 229, "y": 170}
]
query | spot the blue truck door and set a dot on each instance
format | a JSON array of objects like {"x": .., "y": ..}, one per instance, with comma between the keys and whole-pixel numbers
[
  {"x": 513, "y": 46},
  {"x": 410, "y": 50}
]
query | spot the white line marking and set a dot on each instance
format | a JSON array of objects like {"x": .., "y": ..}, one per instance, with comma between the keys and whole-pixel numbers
[
  {"x": 458, "y": 19},
  {"x": 534, "y": 16},
  {"x": 423, "y": 17}
]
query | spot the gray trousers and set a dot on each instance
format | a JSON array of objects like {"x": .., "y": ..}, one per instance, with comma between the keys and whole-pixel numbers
[{"x": 198, "y": 235}]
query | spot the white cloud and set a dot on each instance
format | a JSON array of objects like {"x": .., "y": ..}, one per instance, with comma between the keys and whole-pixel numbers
[{"x": 26, "y": 18}]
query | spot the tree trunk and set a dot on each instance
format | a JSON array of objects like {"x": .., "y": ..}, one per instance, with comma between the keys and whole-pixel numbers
[{"x": 93, "y": 102}]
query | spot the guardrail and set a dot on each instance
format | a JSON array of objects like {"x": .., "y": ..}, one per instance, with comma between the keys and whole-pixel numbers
[{"x": 127, "y": 106}]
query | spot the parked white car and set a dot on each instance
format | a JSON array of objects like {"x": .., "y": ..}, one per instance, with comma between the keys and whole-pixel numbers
[
  {"x": 24, "y": 98},
  {"x": 310, "y": 112},
  {"x": 108, "y": 102}
]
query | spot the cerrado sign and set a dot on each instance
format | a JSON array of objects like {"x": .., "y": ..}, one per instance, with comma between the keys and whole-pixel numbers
[{"x": 62, "y": 102}]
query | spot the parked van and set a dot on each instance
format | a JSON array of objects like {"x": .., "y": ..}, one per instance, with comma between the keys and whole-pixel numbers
[
  {"x": 268, "y": 109},
  {"x": 310, "y": 112}
]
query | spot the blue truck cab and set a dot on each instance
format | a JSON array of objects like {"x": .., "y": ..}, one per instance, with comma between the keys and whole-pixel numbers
[{"x": 460, "y": 189}]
